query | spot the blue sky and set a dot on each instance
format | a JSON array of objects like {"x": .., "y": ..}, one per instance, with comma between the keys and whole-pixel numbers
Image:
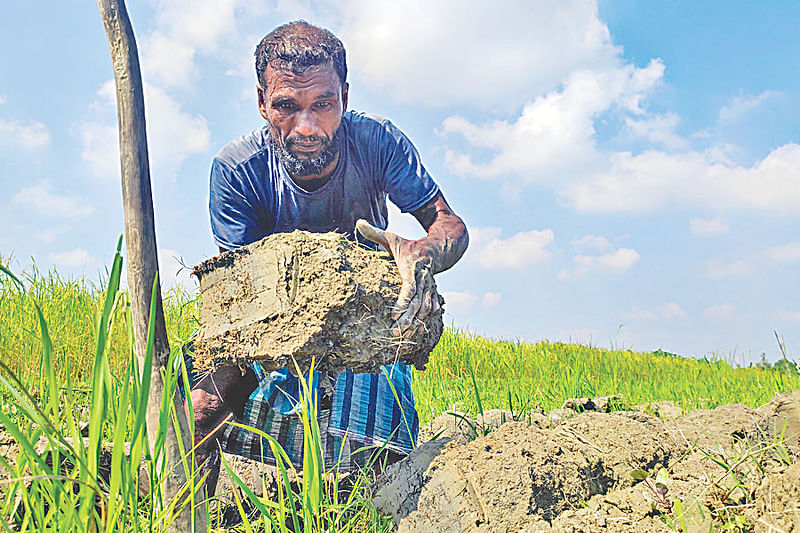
[{"x": 628, "y": 170}]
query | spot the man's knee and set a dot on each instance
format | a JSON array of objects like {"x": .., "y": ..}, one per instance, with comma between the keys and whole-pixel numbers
[
  {"x": 208, "y": 409},
  {"x": 230, "y": 385}
]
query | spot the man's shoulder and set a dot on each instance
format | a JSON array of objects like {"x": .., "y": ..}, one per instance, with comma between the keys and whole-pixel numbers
[
  {"x": 369, "y": 129},
  {"x": 244, "y": 148},
  {"x": 360, "y": 122}
]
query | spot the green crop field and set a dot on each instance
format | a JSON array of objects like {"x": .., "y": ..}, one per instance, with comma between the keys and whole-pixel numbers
[{"x": 66, "y": 359}]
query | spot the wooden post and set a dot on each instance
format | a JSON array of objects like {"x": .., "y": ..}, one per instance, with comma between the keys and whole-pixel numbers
[{"x": 140, "y": 238}]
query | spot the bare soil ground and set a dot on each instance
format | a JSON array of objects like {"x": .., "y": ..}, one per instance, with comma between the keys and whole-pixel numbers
[{"x": 732, "y": 465}]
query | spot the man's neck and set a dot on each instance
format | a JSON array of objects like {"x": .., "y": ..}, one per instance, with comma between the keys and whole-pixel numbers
[{"x": 311, "y": 183}]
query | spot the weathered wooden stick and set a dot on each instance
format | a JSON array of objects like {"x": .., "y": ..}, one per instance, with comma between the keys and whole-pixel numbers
[{"x": 140, "y": 240}]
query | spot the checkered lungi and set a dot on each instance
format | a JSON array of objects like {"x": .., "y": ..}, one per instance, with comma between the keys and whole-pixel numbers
[{"x": 358, "y": 414}]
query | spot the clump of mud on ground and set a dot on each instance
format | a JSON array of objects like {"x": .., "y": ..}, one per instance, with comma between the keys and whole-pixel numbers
[
  {"x": 572, "y": 473},
  {"x": 301, "y": 295}
]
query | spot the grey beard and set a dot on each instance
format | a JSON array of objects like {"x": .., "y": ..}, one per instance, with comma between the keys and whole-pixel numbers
[{"x": 296, "y": 166}]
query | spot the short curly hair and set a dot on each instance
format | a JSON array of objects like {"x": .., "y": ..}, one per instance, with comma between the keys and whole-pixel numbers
[{"x": 298, "y": 45}]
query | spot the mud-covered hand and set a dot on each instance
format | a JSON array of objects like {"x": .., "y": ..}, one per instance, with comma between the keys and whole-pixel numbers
[{"x": 416, "y": 261}]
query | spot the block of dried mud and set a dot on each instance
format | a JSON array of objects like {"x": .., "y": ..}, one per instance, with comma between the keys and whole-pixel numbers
[
  {"x": 405, "y": 477},
  {"x": 666, "y": 409},
  {"x": 777, "y": 500},
  {"x": 305, "y": 295},
  {"x": 451, "y": 425},
  {"x": 520, "y": 477},
  {"x": 781, "y": 417},
  {"x": 603, "y": 404},
  {"x": 556, "y": 416},
  {"x": 261, "y": 478},
  {"x": 627, "y": 440},
  {"x": 719, "y": 426}
]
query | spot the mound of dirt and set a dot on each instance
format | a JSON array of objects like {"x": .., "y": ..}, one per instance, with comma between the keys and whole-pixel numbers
[
  {"x": 778, "y": 503},
  {"x": 720, "y": 426},
  {"x": 520, "y": 476},
  {"x": 301, "y": 295},
  {"x": 555, "y": 474},
  {"x": 781, "y": 420}
]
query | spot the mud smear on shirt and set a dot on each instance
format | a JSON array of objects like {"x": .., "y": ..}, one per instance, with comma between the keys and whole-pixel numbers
[{"x": 301, "y": 296}]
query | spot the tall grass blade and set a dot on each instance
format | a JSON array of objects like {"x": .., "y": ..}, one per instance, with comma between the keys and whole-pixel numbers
[{"x": 101, "y": 381}]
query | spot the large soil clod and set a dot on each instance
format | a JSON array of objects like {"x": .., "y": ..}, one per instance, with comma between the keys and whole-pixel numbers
[
  {"x": 298, "y": 296},
  {"x": 574, "y": 474},
  {"x": 778, "y": 503},
  {"x": 520, "y": 477}
]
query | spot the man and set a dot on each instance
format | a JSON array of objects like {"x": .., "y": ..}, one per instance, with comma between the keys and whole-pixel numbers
[{"x": 316, "y": 166}]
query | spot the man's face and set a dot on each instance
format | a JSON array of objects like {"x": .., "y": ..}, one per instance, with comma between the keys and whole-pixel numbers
[{"x": 304, "y": 112}]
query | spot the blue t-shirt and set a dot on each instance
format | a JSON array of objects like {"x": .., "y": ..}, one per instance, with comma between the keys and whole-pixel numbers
[{"x": 252, "y": 196}]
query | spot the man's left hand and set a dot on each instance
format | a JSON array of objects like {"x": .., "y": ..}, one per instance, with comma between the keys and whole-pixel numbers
[{"x": 416, "y": 261}]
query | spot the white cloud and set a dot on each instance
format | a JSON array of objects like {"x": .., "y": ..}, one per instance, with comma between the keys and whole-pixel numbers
[
  {"x": 637, "y": 313},
  {"x": 479, "y": 236},
  {"x": 554, "y": 134},
  {"x": 722, "y": 312},
  {"x": 172, "y": 134},
  {"x": 490, "y": 54},
  {"x": 2, "y": 99},
  {"x": 458, "y": 303},
  {"x": 717, "y": 268},
  {"x": 490, "y": 299},
  {"x": 553, "y": 142},
  {"x": 667, "y": 311},
  {"x": 517, "y": 252},
  {"x": 701, "y": 227},
  {"x": 183, "y": 30},
  {"x": 617, "y": 261},
  {"x": 101, "y": 148},
  {"x": 172, "y": 272},
  {"x": 743, "y": 104},
  {"x": 671, "y": 310},
  {"x": 655, "y": 180},
  {"x": 29, "y": 135},
  {"x": 74, "y": 259},
  {"x": 39, "y": 199},
  {"x": 591, "y": 242},
  {"x": 169, "y": 60},
  {"x": 49, "y": 235},
  {"x": 793, "y": 317},
  {"x": 785, "y": 253},
  {"x": 659, "y": 129}
]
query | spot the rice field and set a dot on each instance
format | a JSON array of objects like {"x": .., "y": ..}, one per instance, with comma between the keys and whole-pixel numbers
[
  {"x": 508, "y": 373},
  {"x": 65, "y": 346}
]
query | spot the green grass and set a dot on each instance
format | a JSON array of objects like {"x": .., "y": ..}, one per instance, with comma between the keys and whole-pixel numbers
[
  {"x": 523, "y": 376},
  {"x": 65, "y": 346}
]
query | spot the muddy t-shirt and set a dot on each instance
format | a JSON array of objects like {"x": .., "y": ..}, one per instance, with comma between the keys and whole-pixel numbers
[{"x": 252, "y": 196}]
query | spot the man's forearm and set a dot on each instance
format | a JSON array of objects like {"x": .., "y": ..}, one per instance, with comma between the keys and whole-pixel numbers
[{"x": 447, "y": 238}]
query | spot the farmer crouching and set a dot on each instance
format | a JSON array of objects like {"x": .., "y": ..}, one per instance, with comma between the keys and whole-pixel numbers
[{"x": 318, "y": 167}]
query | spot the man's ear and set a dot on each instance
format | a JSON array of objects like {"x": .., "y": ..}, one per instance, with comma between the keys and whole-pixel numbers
[
  {"x": 345, "y": 92},
  {"x": 262, "y": 103}
]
